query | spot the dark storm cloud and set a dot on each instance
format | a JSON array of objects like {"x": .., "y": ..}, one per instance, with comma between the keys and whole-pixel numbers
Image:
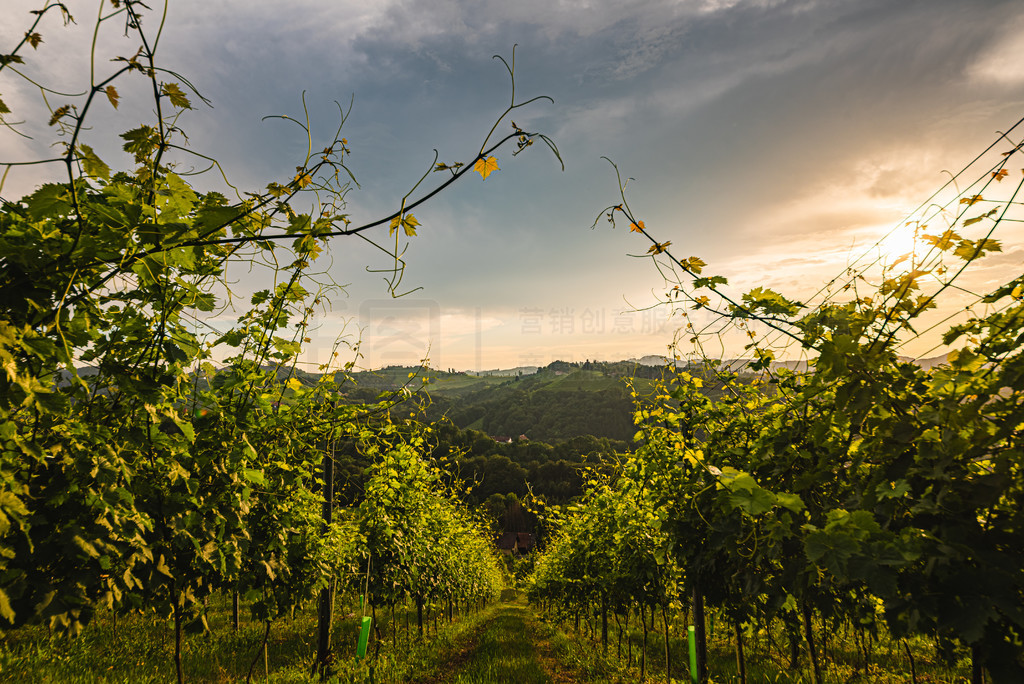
[{"x": 751, "y": 127}]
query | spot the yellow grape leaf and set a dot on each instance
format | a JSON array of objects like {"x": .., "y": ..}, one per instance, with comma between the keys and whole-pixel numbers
[
  {"x": 637, "y": 227},
  {"x": 658, "y": 248},
  {"x": 408, "y": 224},
  {"x": 989, "y": 245},
  {"x": 303, "y": 179},
  {"x": 175, "y": 95},
  {"x": 112, "y": 95},
  {"x": 694, "y": 264},
  {"x": 973, "y": 199},
  {"x": 972, "y": 221},
  {"x": 485, "y": 167},
  {"x": 970, "y": 249},
  {"x": 1000, "y": 174},
  {"x": 944, "y": 241}
]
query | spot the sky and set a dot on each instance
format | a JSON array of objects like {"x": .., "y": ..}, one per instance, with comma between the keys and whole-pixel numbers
[{"x": 777, "y": 140}]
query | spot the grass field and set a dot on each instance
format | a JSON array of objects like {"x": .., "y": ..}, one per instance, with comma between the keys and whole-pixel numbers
[{"x": 505, "y": 642}]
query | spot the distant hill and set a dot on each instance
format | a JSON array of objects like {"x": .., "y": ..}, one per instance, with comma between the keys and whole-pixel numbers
[{"x": 553, "y": 403}]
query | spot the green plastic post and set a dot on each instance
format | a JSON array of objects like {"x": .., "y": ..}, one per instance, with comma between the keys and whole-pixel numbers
[
  {"x": 364, "y": 637},
  {"x": 692, "y": 633}
]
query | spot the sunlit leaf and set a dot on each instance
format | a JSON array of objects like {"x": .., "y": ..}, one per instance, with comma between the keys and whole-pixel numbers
[
  {"x": 92, "y": 164},
  {"x": 637, "y": 227},
  {"x": 485, "y": 167},
  {"x": 140, "y": 142},
  {"x": 944, "y": 241},
  {"x": 407, "y": 222},
  {"x": 175, "y": 95},
  {"x": 694, "y": 265},
  {"x": 972, "y": 221},
  {"x": 770, "y": 302},
  {"x": 112, "y": 95}
]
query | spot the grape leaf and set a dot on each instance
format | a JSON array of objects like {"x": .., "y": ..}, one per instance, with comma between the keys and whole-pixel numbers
[
  {"x": 59, "y": 114},
  {"x": 694, "y": 265},
  {"x": 408, "y": 223},
  {"x": 92, "y": 164},
  {"x": 485, "y": 167},
  {"x": 175, "y": 95},
  {"x": 944, "y": 241},
  {"x": 972, "y": 221}
]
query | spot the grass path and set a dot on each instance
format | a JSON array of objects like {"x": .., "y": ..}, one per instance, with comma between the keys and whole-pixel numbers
[{"x": 505, "y": 648}]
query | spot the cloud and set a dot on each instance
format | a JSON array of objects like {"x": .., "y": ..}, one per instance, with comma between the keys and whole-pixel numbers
[{"x": 1002, "y": 62}]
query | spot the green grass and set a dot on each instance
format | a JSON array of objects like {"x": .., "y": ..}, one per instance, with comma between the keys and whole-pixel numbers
[
  {"x": 504, "y": 652},
  {"x": 506, "y": 642},
  {"x": 767, "y": 658},
  {"x": 139, "y": 649}
]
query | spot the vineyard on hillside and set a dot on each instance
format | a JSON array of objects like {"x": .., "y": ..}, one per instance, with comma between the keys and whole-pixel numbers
[{"x": 157, "y": 471}]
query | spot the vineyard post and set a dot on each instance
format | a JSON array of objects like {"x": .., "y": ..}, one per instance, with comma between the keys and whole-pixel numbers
[
  {"x": 643, "y": 651},
  {"x": 604, "y": 622},
  {"x": 977, "y": 675},
  {"x": 323, "y": 648},
  {"x": 692, "y": 638},
  {"x": 668, "y": 650},
  {"x": 700, "y": 636},
  {"x": 812, "y": 652},
  {"x": 741, "y": 665}
]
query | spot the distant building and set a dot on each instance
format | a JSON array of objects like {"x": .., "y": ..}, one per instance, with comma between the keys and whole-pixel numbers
[{"x": 515, "y": 543}]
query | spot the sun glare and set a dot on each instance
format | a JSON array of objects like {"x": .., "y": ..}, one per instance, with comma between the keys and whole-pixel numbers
[{"x": 899, "y": 242}]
